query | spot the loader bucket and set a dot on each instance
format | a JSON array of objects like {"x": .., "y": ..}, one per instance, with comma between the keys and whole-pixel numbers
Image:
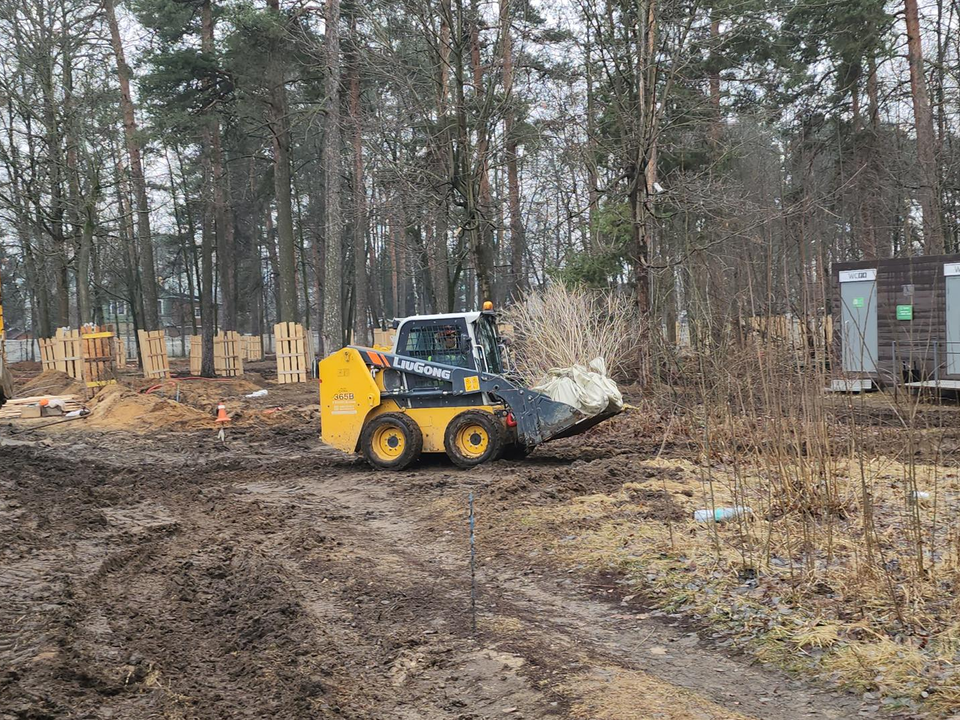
[
  {"x": 588, "y": 422},
  {"x": 542, "y": 419}
]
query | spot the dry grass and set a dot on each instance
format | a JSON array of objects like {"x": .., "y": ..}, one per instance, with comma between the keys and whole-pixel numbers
[
  {"x": 771, "y": 581},
  {"x": 561, "y": 326},
  {"x": 617, "y": 694},
  {"x": 850, "y": 565}
]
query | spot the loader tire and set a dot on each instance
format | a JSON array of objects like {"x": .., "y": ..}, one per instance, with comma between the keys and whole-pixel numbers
[
  {"x": 392, "y": 441},
  {"x": 473, "y": 437}
]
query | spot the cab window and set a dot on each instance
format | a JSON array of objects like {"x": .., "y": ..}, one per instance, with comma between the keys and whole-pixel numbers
[
  {"x": 442, "y": 341},
  {"x": 487, "y": 339}
]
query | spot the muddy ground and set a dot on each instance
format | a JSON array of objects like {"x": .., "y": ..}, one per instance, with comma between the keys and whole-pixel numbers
[{"x": 169, "y": 575}]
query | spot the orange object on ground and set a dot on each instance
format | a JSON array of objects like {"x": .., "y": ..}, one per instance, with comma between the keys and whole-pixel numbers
[{"x": 222, "y": 414}]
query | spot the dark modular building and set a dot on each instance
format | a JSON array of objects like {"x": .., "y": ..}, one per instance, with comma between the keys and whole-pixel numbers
[{"x": 898, "y": 320}]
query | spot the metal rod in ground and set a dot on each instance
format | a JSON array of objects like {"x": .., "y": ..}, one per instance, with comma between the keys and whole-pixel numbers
[{"x": 473, "y": 571}]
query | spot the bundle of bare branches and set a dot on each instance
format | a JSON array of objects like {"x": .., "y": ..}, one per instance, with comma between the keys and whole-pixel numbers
[{"x": 561, "y": 326}]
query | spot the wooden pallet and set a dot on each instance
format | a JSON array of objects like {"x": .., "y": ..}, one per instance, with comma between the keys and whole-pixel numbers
[
  {"x": 227, "y": 354},
  {"x": 153, "y": 354},
  {"x": 99, "y": 356},
  {"x": 294, "y": 353},
  {"x": 252, "y": 348},
  {"x": 48, "y": 359},
  {"x": 63, "y": 353},
  {"x": 383, "y": 339}
]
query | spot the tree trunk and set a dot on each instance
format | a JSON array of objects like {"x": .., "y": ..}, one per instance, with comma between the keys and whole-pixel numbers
[
  {"x": 185, "y": 249},
  {"x": 148, "y": 272},
  {"x": 716, "y": 126},
  {"x": 393, "y": 232},
  {"x": 481, "y": 225},
  {"x": 84, "y": 304},
  {"x": 131, "y": 259},
  {"x": 273, "y": 258},
  {"x": 360, "y": 322},
  {"x": 332, "y": 332},
  {"x": 57, "y": 204},
  {"x": 517, "y": 239},
  {"x": 929, "y": 191},
  {"x": 226, "y": 256},
  {"x": 280, "y": 131},
  {"x": 207, "y": 312}
]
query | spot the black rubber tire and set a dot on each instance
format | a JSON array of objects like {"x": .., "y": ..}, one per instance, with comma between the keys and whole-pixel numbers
[
  {"x": 495, "y": 434},
  {"x": 412, "y": 438}
]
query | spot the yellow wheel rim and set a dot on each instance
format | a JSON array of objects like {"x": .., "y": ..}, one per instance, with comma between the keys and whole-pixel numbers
[
  {"x": 473, "y": 440},
  {"x": 388, "y": 442}
]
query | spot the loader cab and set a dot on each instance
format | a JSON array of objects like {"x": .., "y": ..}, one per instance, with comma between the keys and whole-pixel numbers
[{"x": 467, "y": 340}]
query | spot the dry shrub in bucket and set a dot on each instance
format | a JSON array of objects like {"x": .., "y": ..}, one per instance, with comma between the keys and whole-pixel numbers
[{"x": 561, "y": 326}]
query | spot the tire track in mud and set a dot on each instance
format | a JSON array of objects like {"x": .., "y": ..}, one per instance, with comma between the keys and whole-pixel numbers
[
  {"x": 550, "y": 625},
  {"x": 310, "y": 587},
  {"x": 187, "y": 602}
]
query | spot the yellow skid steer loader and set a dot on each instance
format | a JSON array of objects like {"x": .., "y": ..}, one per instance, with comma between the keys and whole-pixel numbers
[{"x": 442, "y": 388}]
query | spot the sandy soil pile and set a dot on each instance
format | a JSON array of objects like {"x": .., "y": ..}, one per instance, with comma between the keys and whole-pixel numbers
[
  {"x": 119, "y": 408},
  {"x": 51, "y": 382},
  {"x": 204, "y": 395}
]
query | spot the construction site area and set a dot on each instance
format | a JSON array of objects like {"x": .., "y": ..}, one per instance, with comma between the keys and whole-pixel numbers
[{"x": 187, "y": 547}]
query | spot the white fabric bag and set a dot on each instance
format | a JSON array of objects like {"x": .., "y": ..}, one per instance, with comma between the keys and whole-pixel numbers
[{"x": 586, "y": 388}]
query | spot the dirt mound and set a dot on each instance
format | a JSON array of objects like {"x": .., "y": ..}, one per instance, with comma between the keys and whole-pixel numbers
[
  {"x": 25, "y": 366},
  {"x": 51, "y": 382},
  {"x": 204, "y": 394},
  {"x": 119, "y": 408}
]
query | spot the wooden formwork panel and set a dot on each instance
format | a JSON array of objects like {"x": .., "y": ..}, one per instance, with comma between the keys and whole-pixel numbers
[
  {"x": 196, "y": 354},
  {"x": 252, "y": 348},
  {"x": 69, "y": 352},
  {"x": 294, "y": 352},
  {"x": 87, "y": 354},
  {"x": 99, "y": 356},
  {"x": 120, "y": 349},
  {"x": 153, "y": 354},
  {"x": 48, "y": 357},
  {"x": 227, "y": 354},
  {"x": 63, "y": 352},
  {"x": 384, "y": 339}
]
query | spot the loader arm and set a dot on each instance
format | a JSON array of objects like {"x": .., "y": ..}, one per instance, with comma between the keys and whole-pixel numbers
[{"x": 538, "y": 418}]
